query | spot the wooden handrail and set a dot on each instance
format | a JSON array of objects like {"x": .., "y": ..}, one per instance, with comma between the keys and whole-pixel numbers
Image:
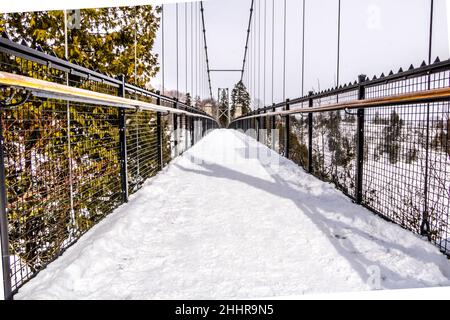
[
  {"x": 42, "y": 88},
  {"x": 415, "y": 97}
]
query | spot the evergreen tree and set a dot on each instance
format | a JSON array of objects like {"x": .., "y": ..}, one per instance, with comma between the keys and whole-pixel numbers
[
  {"x": 104, "y": 42},
  {"x": 223, "y": 106},
  {"x": 240, "y": 96},
  {"x": 188, "y": 99}
]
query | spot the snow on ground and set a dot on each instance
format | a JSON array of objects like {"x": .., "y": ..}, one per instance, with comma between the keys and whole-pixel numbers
[{"x": 221, "y": 223}]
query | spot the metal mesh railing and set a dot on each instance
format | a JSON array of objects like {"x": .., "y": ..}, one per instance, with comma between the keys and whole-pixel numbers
[
  {"x": 69, "y": 164},
  {"x": 391, "y": 156},
  {"x": 143, "y": 153},
  {"x": 334, "y": 149}
]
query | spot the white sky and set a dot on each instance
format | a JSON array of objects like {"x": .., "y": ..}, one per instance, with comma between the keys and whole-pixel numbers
[{"x": 376, "y": 36}]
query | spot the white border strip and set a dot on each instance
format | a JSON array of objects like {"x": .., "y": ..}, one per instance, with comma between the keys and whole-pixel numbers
[{"x": 7, "y": 6}]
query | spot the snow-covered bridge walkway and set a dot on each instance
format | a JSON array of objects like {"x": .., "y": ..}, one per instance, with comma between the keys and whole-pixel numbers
[{"x": 219, "y": 224}]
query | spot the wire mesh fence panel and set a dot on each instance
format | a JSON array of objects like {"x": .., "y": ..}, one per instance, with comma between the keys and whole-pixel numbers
[
  {"x": 334, "y": 149},
  {"x": 95, "y": 163},
  {"x": 37, "y": 185},
  {"x": 438, "y": 200},
  {"x": 92, "y": 85},
  {"x": 266, "y": 132},
  {"x": 143, "y": 153},
  {"x": 440, "y": 79},
  {"x": 63, "y": 159},
  {"x": 399, "y": 182},
  {"x": 395, "y": 163},
  {"x": 166, "y": 139},
  {"x": 330, "y": 99},
  {"x": 299, "y": 139},
  {"x": 396, "y": 87},
  {"x": 280, "y": 124},
  {"x": 21, "y": 66},
  {"x": 347, "y": 96},
  {"x": 182, "y": 128}
]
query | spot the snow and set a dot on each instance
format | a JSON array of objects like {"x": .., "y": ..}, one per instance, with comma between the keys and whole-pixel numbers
[{"x": 222, "y": 222}]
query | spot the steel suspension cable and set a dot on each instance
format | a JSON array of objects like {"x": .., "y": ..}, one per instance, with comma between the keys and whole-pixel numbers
[
  {"x": 254, "y": 60},
  {"x": 284, "y": 52},
  {"x": 186, "y": 48},
  {"x": 192, "y": 51},
  {"x": 425, "y": 225},
  {"x": 250, "y": 63},
  {"x": 162, "y": 49},
  {"x": 265, "y": 49},
  {"x": 259, "y": 56},
  {"x": 247, "y": 40},
  {"x": 206, "y": 50},
  {"x": 196, "y": 49},
  {"x": 339, "y": 44},
  {"x": 303, "y": 49},
  {"x": 430, "y": 39},
  {"x": 177, "y": 53},
  {"x": 273, "y": 48}
]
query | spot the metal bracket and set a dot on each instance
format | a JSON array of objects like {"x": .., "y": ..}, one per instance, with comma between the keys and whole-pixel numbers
[
  {"x": 7, "y": 97},
  {"x": 349, "y": 113}
]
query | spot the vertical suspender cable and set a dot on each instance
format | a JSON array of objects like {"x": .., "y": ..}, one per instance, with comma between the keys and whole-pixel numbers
[
  {"x": 192, "y": 52},
  {"x": 338, "y": 45},
  {"x": 303, "y": 50},
  {"x": 273, "y": 47},
  {"x": 259, "y": 56},
  {"x": 69, "y": 145},
  {"x": 162, "y": 49},
  {"x": 195, "y": 51},
  {"x": 284, "y": 52},
  {"x": 430, "y": 40},
  {"x": 265, "y": 54},
  {"x": 197, "y": 40},
  {"x": 176, "y": 47},
  {"x": 186, "y": 49},
  {"x": 199, "y": 55},
  {"x": 425, "y": 225},
  {"x": 199, "y": 58},
  {"x": 135, "y": 47},
  {"x": 254, "y": 60},
  {"x": 249, "y": 64}
]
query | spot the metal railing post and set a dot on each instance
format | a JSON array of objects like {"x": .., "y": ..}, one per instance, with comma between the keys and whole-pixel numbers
[
  {"x": 274, "y": 127},
  {"x": 185, "y": 130},
  {"x": 194, "y": 138},
  {"x": 175, "y": 128},
  {"x": 257, "y": 126},
  {"x": 191, "y": 124},
  {"x": 123, "y": 143},
  {"x": 287, "y": 131},
  {"x": 360, "y": 142},
  {"x": 4, "y": 234},
  {"x": 203, "y": 127},
  {"x": 159, "y": 133},
  {"x": 310, "y": 133}
]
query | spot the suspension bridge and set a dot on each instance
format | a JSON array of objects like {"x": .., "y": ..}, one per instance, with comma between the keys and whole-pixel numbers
[{"x": 109, "y": 190}]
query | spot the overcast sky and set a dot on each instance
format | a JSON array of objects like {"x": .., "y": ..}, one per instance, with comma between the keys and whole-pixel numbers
[{"x": 376, "y": 36}]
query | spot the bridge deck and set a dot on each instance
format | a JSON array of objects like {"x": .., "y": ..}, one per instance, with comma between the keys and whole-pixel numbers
[{"x": 220, "y": 224}]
